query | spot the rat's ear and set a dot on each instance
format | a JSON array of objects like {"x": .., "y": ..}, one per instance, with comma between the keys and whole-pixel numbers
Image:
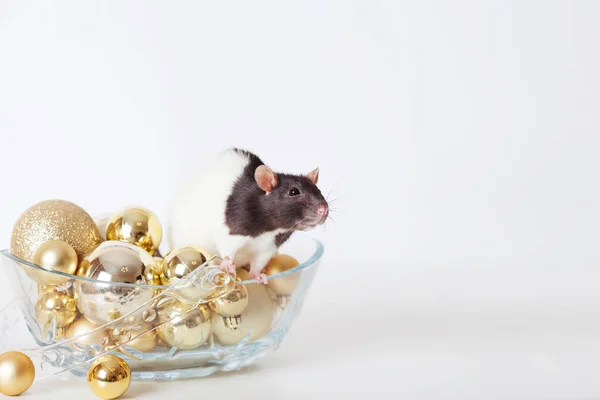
[
  {"x": 265, "y": 178},
  {"x": 313, "y": 176}
]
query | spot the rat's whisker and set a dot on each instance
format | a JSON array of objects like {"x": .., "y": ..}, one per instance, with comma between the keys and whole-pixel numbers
[
  {"x": 334, "y": 200},
  {"x": 328, "y": 194}
]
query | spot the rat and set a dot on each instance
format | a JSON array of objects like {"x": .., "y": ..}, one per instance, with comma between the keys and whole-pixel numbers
[{"x": 238, "y": 208}]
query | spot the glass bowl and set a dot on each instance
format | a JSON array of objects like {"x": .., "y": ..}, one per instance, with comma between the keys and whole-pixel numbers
[{"x": 181, "y": 331}]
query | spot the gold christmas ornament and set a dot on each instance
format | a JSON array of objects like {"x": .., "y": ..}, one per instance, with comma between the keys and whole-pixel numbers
[
  {"x": 136, "y": 338},
  {"x": 82, "y": 327},
  {"x": 146, "y": 342},
  {"x": 180, "y": 261},
  {"x": 187, "y": 328},
  {"x": 231, "y": 305},
  {"x": 54, "y": 220},
  {"x": 54, "y": 255},
  {"x": 154, "y": 277},
  {"x": 109, "y": 377},
  {"x": 136, "y": 225},
  {"x": 256, "y": 319},
  {"x": 279, "y": 263},
  {"x": 43, "y": 288},
  {"x": 56, "y": 308},
  {"x": 241, "y": 274},
  {"x": 102, "y": 223},
  {"x": 17, "y": 373},
  {"x": 283, "y": 301},
  {"x": 122, "y": 266}
]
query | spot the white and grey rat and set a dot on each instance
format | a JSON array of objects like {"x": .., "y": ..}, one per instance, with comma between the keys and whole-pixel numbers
[{"x": 236, "y": 207}]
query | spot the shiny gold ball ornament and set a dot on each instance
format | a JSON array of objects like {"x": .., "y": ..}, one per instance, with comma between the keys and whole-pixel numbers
[
  {"x": 43, "y": 288},
  {"x": 255, "y": 321},
  {"x": 17, "y": 373},
  {"x": 231, "y": 305},
  {"x": 154, "y": 277},
  {"x": 136, "y": 225},
  {"x": 284, "y": 285},
  {"x": 102, "y": 223},
  {"x": 124, "y": 268},
  {"x": 144, "y": 342},
  {"x": 55, "y": 255},
  {"x": 141, "y": 337},
  {"x": 54, "y": 220},
  {"x": 180, "y": 261},
  {"x": 55, "y": 308},
  {"x": 84, "y": 334},
  {"x": 187, "y": 327},
  {"x": 109, "y": 377}
]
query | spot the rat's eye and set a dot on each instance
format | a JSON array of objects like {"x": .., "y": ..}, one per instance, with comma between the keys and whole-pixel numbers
[{"x": 294, "y": 192}]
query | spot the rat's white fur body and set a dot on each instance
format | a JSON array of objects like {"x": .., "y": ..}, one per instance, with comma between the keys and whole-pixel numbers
[{"x": 197, "y": 215}]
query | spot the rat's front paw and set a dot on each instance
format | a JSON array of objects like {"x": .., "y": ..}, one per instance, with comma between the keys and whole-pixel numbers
[
  {"x": 260, "y": 278},
  {"x": 228, "y": 265}
]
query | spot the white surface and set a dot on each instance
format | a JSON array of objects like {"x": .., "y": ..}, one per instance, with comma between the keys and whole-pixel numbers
[{"x": 470, "y": 194}]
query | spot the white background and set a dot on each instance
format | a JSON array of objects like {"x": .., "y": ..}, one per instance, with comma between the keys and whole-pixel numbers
[{"x": 460, "y": 137}]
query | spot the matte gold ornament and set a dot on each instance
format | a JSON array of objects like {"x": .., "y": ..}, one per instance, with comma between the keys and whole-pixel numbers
[
  {"x": 17, "y": 373},
  {"x": 109, "y": 377},
  {"x": 125, "y": 268},
  {"x": 188, "y": 327},
  {"x": 136, "y": 225},
  {"x": 56, "y": 308},
  {"x": 54, "y": 255},
  {"x": 54, "y": 220},
  {"x": 82, "y": 330},
  {"x": 255, "y": 321},
  {"x": 180, "y": 261},
  {"x": 279, "y": 263}
]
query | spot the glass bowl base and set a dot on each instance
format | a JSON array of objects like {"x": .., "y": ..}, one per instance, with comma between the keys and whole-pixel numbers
[{"x": 196, "y": 364}]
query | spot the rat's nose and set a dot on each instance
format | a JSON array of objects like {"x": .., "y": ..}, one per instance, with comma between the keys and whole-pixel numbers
[{"x": 322, "y": 209}]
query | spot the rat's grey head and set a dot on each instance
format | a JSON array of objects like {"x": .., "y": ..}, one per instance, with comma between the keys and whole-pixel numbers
[{"x": 292, "y": 202}]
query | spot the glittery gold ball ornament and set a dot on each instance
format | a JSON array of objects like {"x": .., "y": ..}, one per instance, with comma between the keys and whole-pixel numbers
[
  {"x": 180, "y": 261},
  {"x": 54, "y": 220},
  {"x": 17, "y": 373},
  {"x": 54, "y": 255},
  {"x": 136, "y": 225},
  {"x": 188, "y": 327},
  {"x": 284, "y": 285},
  {"x": 255, "y": 321},
  {"x": 119, "y": 271},
  {"x": 85, "y": 334},
  {"x": 109, "y": 377},
  {"x": 55, "y": 309}
]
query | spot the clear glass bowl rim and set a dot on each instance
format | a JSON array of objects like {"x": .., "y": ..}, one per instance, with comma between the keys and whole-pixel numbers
[{"x": 313, "y": 259}]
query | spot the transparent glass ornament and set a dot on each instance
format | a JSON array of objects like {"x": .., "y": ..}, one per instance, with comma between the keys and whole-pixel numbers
[{"x": 232, "y": 342}]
